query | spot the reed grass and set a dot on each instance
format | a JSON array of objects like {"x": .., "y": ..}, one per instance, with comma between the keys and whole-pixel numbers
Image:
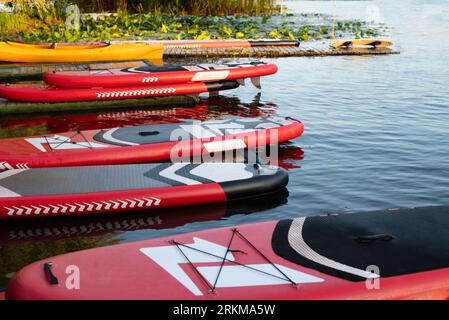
[
  {"x": 180, "y": 7},
  {"x": 11, "y": 24}
]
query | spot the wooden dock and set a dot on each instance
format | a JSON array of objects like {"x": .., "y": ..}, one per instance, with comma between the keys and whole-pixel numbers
[
  {"x": 304, "y": 50},
  {"x": 27, "y": 72}
]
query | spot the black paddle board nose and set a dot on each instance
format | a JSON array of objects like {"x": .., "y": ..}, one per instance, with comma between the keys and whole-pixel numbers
[
  {"x": 269, "y": 179},
  {"x": 222, "y": 85}
]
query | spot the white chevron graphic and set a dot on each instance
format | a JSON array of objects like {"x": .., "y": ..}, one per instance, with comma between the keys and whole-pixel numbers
[
  {"x": 116, "y": 205},
  {"x": 124, "y": 204},
  {"x": 141, "y": 203},
  {"x": 98, "y": 206},
  {"x": 150, "y": 79},
  {"x": 83, "y": 207},
  {"x": 55, "y": 208},
  {"x": 89, "y": 206},
  {"x": 19, "y": 211},
  {"x": 156, "y": 201},
  {"x": 132, "y": 203},
  {"x": 107, "y": 205},
  {"x": 22, "y": 166},
  {"x": 5, "y": 166},
  {"x": 149, "y": 202},
  {"x": 37, "y": 210},
  {"x": 135, "y": 93}
]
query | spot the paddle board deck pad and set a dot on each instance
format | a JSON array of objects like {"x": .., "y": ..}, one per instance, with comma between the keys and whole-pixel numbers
[
  {"x": 153, "y": 75},
  {"x": 69, "y": 191},
  {"x": 39, "y": 94},
  {"x": 321, "y": 257},
  {"x": 361, "y": 43},
  {"x": 147, "y": 143}
]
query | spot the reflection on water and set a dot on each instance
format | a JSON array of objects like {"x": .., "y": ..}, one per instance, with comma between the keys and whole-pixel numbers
[
  {"x": 376, "y": 132},
  {"x": 25, "y": 241},
  {"x": 213, "y": 108}
]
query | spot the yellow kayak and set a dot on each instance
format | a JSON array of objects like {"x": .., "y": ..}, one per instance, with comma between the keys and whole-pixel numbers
[
  {"x": 83, "y": 52},
  {"x": 361, "y": 42}
]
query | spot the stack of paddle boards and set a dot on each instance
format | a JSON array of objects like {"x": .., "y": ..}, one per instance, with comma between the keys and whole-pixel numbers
[
  {"x": 98, "y": 171},
  {"x": 393, "y": 254},
  {"x": 140, "y": 82}
]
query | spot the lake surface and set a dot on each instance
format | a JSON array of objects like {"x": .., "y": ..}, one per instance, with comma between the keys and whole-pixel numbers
[{"x": 376, "y": 137}]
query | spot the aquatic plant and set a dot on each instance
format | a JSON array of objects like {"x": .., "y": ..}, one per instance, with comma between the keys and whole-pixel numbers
[{"x": 182, "y": 27}]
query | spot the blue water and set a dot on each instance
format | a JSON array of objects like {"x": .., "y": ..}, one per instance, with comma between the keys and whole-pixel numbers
[{"x": 377, "y": 129}]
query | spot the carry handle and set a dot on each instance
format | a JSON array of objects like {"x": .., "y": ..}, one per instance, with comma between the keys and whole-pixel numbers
[
  {"x": 374, "y": 237},
  {"x": 49, "y": 273}
]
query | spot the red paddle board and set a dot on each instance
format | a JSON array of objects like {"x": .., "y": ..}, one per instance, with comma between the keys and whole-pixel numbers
[
  {"x": 377, "y": 255},
  {"x": 65, "y": 191},
  {"x": 153, "y": 75},
  {"x": 36, "y": 93},
  {"x": 135, "y": 144}
]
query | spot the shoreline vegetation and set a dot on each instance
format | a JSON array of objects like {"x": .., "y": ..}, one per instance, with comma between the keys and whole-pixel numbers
[{"x": 43, "y": 21}]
